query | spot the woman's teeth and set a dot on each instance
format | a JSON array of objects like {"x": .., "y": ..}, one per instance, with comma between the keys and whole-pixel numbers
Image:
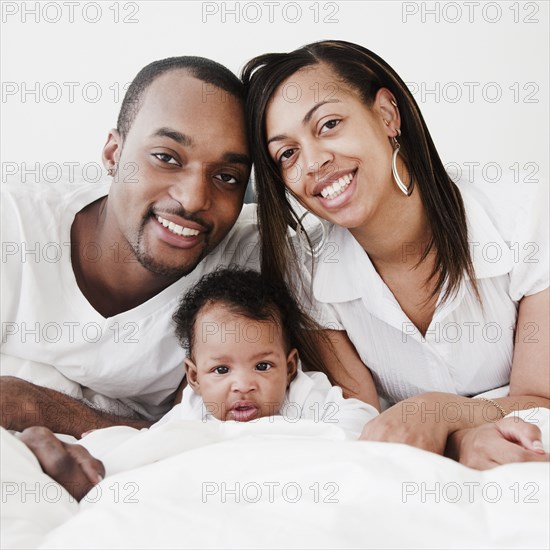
[
  {"x": 337, "y": 188},
  {"x": 178, "y": 229}
]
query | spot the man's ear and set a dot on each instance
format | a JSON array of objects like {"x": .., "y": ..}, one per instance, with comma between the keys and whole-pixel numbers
[
  {"x": 191, "y": 372},
  {"x": 112, "y": 150},
  {"x": 292, "y": 364}
]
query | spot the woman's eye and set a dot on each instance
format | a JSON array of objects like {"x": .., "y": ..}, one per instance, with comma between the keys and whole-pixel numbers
[
  {"x": 263, "y": 366},
  {"x": 221, "y": 370},
  {"x": 227, "y": 178},
  {"x": 285, "y": 155},
  {"x": 166, "y": 158},
  {"x": 330, "y": 124}
]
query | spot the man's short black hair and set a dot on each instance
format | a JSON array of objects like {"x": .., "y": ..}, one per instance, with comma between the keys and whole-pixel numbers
[{"x": 201, "y": 68}]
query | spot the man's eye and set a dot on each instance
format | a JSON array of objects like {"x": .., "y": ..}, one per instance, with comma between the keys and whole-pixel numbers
[
  {"x": 263, "y": 366},
  {"x": 166, "y": 158},
  {"x": 227, "y": 178},
  {"x": 221, "y": 370}
]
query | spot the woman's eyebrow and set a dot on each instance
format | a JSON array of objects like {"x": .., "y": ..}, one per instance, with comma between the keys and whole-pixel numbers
[
  {"x": 306, "y": 119},
  {"x": 309, "y": 114}
]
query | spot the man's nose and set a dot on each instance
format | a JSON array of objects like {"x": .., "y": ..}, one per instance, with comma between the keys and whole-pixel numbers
[{"x": 192, "y": 191}]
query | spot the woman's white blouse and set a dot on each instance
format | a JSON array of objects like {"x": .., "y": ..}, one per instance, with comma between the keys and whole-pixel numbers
[{"x": 467, "y": 348}]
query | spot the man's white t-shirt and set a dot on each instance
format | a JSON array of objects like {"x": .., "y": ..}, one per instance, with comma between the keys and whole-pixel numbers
[{"x": 133, "y": 357}]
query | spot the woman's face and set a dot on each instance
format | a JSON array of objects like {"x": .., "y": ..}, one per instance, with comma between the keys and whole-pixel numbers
[{"x": 333, "y": 152}]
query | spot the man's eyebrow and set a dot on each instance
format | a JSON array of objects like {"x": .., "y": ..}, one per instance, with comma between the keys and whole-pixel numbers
[
  {"x": 306, "y": 118},
  {"x": 180, "y": 138},
  {"x": 186, "y": 141},
  {"x": 237, "y": 158}
]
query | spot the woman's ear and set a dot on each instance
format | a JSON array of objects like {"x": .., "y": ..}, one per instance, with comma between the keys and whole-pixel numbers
[
  {"x": 191, "y": 372},
  {"x": 292, "y": 365},
  {"x": 386, "y": 106},
  {"x": 111, "y": 151}
]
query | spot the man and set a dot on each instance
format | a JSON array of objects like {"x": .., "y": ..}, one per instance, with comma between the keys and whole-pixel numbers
[
  {"x": 180, "y": 166},
  {"x": 101, "y": 315}
]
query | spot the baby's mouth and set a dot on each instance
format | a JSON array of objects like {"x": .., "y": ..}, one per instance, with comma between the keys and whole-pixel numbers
[{"x": 244, "y": 411}]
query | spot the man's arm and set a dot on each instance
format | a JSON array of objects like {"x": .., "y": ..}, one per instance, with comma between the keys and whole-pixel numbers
[
  {"x": 23, "y": 405},
  {"x": 70, "y": 465}
]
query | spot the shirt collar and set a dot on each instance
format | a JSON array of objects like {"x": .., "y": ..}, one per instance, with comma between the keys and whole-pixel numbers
[{"x": 344, "y": 271}]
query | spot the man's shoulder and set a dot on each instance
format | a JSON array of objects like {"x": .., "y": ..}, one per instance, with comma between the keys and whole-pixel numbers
[
  {"x": 248, "y": 216},
  {"x": 245, "y": 228},
  {"x": 242, "y": 245},
  {"x": 50, "y": 194}
]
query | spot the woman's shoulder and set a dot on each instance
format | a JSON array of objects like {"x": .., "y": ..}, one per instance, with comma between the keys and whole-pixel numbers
[
  {"x": 515, "y": 218},
  {"x": 519, "y": 211}
]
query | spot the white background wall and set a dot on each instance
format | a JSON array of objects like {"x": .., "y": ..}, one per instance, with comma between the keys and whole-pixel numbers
[{"x": 479, "y": 70}]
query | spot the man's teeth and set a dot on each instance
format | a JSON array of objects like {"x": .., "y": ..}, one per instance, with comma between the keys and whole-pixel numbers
[
  {"x": 337, "y": 188},
  {"x": 178, "y": 229}
]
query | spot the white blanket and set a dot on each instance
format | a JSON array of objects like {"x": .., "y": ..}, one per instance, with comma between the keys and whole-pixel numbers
[{"x": 271, "y": 484}]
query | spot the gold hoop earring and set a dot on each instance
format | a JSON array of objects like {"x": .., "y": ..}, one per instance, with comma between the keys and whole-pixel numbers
[{"x": 406, "y": 189}]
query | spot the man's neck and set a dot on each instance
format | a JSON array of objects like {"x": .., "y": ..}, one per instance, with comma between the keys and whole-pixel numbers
[{"x": 105, "y": 267}]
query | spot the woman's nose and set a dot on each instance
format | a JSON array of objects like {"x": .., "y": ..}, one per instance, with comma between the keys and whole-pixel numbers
[{"x": 316, "y": 159}]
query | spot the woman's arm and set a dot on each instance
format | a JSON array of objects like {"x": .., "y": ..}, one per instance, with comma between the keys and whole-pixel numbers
[
  {"x": 427, "y": 420},
  {"x": 512, "y": 440},
  {"x": 347, "y": 369},
  {"x": 530, "y": 376}
]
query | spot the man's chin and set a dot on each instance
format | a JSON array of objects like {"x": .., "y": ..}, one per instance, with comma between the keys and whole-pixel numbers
[{"x": 169, "y": 270}]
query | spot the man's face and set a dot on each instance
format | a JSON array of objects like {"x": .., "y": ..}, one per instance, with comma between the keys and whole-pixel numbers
[{"x": 181, "y": 176}]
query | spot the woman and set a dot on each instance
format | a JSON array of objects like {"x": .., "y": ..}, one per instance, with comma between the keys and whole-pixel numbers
[{"x": 335, "y": 126}]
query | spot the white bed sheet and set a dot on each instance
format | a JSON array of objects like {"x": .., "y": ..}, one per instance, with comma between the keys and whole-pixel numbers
[{"x": 164, "y": 490}]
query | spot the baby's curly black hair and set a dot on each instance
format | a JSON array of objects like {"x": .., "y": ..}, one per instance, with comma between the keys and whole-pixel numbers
[{"x": 246, "y": 293}]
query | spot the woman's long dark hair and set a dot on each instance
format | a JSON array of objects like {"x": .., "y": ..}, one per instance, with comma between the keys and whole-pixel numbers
[{"x": 366, "y": 73}]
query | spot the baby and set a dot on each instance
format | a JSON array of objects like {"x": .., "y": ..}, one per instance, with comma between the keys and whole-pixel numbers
[{"x": 245, "y": 341}]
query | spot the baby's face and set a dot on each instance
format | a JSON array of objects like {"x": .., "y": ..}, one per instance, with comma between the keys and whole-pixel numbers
[{"x": 241, "y": 369}]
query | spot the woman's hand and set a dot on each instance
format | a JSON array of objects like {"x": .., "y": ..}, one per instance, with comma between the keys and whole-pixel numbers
[
  {"x": 508, "y": 440},
  {"x": 417, "y": 421}
]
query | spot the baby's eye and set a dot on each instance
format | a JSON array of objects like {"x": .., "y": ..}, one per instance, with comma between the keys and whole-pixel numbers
[
  {"x": 221, "y": 370},
  {"x": 166, "y": 158},
  {"x": 227, "y": 178},
  {"x": 330, "y": 124},
  {"x": 263, "y": 366}
]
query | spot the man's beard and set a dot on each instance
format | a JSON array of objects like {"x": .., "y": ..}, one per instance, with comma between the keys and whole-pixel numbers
[{"x": 148, "y": 261}]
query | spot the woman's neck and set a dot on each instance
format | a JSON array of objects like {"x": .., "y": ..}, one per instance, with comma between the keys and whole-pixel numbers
[{"x": 397, "y": 235}]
